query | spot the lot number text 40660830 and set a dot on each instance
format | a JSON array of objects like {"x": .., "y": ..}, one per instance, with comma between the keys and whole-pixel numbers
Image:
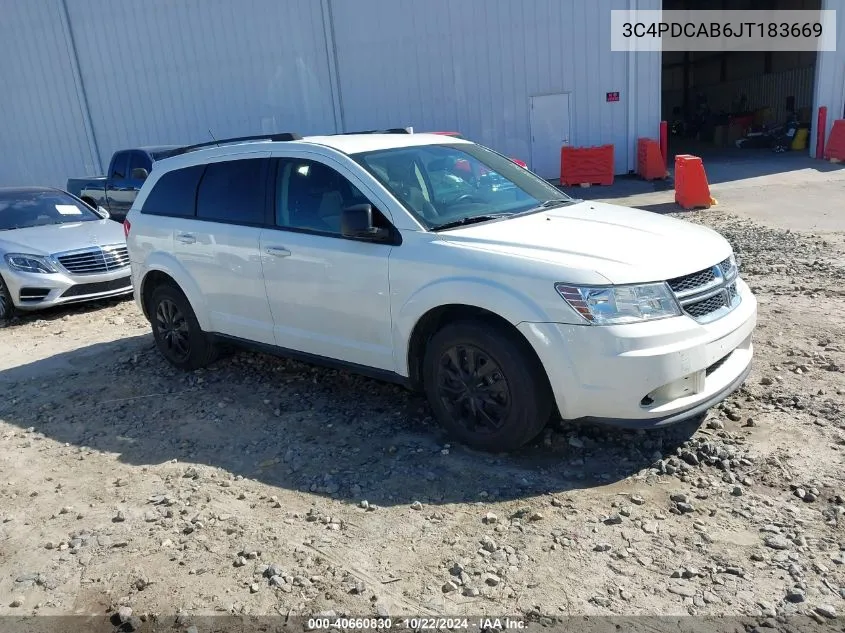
[{"x": 414, "y": 624}]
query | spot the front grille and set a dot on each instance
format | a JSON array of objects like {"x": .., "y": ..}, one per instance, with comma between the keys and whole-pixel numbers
[
  {"x": 707, "y": 294},
  {"x": 728, "y": 269},
  {"x": 726, "y": 298},
  {"x": 681, "y": 285},
  {"x": 81, "y": 290},
  {"x": 92, "y": 261},
  {"x": 705, "y": 306},
  {"x": 33, "y": 295}
]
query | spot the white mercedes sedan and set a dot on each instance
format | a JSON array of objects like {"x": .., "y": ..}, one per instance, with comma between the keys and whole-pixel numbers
[{"x": 55, "y": 249}]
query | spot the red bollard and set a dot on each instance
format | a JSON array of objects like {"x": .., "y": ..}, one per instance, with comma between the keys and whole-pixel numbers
[
  {"x": 664, "y": 143},
  {"x": 821, "y": 126}
]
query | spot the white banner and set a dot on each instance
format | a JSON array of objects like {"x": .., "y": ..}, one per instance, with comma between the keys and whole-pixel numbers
[{"x": 715, "y": 31}]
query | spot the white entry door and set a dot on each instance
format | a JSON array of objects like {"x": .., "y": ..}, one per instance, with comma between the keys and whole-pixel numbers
[{"x": 549, "y": 131}]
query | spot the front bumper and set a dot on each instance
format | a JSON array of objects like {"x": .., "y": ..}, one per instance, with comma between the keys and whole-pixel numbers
[
  {"x": 34, "y": 291},
  {"x": 647, "y": 374}
]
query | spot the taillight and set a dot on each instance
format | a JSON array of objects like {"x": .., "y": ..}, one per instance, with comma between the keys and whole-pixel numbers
[{"x": 126, "y": 226}]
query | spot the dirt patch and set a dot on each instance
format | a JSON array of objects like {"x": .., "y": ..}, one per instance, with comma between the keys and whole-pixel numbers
[{"x": 265, "y": 486}]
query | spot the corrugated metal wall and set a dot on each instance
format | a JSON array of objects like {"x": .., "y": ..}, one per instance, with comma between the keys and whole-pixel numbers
[
  {"x": 160, "y": 71},
  {"x": 166, "y": 72},
  {"x": 43, "y": 137},
  {"x": 472, "y": 66}
]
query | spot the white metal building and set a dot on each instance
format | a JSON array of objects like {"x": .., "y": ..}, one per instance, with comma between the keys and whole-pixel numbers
[{"x": 83, "y": 78}]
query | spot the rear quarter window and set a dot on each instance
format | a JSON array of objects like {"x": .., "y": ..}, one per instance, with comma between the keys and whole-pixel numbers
[
  {"x": 175, "y": 193},
  {"x": 233, "y": 191}
]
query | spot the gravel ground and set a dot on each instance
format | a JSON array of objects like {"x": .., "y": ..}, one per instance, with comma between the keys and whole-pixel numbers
[{"x": 265, "y": 486}]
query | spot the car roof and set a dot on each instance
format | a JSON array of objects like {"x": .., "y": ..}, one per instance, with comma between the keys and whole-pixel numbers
[
  {"x": 356, "y": 143},
  {"x": 344, "y": 143},
  {"x": 29, "y": 189}
]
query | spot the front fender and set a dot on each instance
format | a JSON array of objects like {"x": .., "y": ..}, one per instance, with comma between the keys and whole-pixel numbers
[
  {"x": 505, "y": 302},
  {"x": 169, "y": 265}
]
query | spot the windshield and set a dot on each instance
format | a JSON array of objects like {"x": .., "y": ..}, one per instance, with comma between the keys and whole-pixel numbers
[
  {"x": 25, "y": 209},
  {"x": 448, "y": 184}
]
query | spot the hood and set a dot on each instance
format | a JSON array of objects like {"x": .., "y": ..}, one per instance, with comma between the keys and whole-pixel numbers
[
  {"x": 621, "y": 244},
  {"x": 55, "y": 238}
]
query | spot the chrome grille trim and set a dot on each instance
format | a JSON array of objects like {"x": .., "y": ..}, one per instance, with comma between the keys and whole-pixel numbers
[
  {"x": 94, "y": 260},
  {"x": 709, "y": 294}
]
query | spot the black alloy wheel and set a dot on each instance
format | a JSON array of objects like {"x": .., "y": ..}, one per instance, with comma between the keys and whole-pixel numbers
[
  {"x": 486, "y": 386},
  {"x": 177, "y": 332},
  {"x": 472, "y": 387},
  {"x": 173, "y": 326}
]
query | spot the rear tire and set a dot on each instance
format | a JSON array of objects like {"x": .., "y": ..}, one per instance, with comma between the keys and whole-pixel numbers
[
  {"x": 177, "y": 333},
  {"x": 485, "y": 387},
  {"x": 7, "y": 306}
]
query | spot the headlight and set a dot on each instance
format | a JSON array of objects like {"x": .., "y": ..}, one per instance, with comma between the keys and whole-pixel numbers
[
  {"x": 29, "y": 263},
  {"x": 612, "y": 305}
]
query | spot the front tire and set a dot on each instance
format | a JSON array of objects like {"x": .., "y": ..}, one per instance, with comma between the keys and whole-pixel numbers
[
  {"x": 485, "y": 386},
  {"x": 177, "y": 332}
]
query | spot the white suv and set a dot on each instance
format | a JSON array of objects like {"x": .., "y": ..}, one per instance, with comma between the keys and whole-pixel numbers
[{"x": 440, "y": 264}]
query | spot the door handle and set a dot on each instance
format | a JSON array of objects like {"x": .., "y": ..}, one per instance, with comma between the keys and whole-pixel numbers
[
  {"x": 277, "y": 251},
  {"x": 186, "y": 238}
]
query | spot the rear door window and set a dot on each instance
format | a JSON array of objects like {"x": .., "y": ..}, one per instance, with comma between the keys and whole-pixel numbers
[
  {"x": 234, "y": 192},
  {"x": 175, "y": 193}
]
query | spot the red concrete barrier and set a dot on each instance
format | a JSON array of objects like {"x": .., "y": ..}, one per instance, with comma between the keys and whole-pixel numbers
[
  {"x": 650, "y": 165},
  {"x": 691, "y": 188},
  {"x": 586, "y": 165},
  {"x": 836, "y": 143}
]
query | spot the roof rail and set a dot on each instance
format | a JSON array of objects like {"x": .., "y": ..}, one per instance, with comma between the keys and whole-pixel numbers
[
  {"x": 284, "y": 136},
  {"x": 392, "y": 130}
]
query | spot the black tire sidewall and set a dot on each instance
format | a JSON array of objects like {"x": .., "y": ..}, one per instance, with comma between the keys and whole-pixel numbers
[
  {"x": 200, "y": 347},
  {"x": 531, "y": 402}
]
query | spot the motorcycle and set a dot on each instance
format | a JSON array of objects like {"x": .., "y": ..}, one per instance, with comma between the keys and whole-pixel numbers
[{"x": 778, "y": 138}]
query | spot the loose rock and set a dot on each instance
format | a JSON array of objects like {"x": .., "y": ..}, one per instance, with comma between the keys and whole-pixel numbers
[
  {"x": 776, "y": 541},
  {"x": 826, "y": 610},
  {"x": 124, "y": 613}
]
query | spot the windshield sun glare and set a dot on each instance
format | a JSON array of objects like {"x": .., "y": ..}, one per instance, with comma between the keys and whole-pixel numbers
[{"x": 446, "y": 185}]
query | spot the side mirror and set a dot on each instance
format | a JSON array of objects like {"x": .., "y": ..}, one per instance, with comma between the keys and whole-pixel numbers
[
  {"x": 139, "y": 173},
  {"x": 102, "y": 213},
  {"x": 357, "y": 222}
]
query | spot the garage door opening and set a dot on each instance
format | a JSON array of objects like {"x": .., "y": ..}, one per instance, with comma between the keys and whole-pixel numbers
[{"x": 735, "y": 104}]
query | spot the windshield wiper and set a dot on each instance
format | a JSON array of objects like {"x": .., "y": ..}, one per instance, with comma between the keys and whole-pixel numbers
[
  {"x": 557, "y": 202},
  {"x": 473, "y": 219}
]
